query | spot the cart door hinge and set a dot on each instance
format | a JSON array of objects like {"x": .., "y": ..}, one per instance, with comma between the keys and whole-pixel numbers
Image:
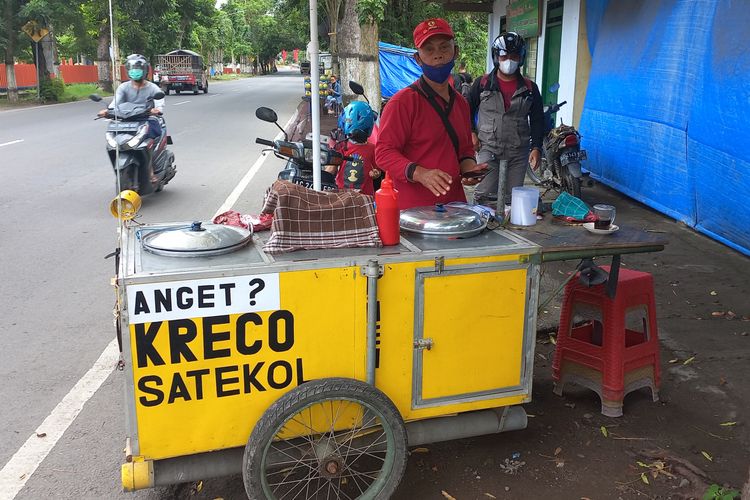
[
  {"x": 439, "y": 264},
  {"x": 421, "y": 344}
]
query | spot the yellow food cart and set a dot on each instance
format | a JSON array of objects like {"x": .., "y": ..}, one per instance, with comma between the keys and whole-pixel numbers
[{"x": 311, "y": 372}]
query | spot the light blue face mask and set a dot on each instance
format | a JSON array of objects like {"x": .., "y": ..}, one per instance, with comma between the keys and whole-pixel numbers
[{"x": 135, "y": 74}]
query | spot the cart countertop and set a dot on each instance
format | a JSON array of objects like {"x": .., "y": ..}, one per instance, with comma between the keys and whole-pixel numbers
[
  {"x": 560, "y": 240},
  {"x": 140, "y": 264}
]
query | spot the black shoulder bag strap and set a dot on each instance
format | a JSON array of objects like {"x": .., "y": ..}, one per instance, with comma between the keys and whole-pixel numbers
[{"x": 430, "y": 95}]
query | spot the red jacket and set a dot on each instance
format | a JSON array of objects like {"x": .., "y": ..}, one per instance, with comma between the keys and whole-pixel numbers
[{"x": 411, "y": 131}]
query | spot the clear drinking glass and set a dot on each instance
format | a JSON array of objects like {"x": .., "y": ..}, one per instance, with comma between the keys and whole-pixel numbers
[{"x": 606, "y": 214}]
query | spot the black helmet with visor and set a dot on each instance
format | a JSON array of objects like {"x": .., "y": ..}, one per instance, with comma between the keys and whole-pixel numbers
[{"x": 509, "y": 43}]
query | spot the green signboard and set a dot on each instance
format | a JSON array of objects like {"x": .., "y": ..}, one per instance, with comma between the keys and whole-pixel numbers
[{"x": 522, "y": 16}]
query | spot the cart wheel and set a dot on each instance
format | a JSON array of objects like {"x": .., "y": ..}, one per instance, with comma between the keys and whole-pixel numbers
[{"x": 352, "y": 444}]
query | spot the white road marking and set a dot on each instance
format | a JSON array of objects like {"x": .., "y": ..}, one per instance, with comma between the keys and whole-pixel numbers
[
  {"x": 25, "y": 461},
  {"x": 213, "y": 95},
  {"x": 11, "y": 142},
  {"x": 239, "y": 188},
  {"x": 181, "y": 102}
]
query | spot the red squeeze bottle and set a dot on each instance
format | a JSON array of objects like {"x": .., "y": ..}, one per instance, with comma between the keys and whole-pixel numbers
[{"x": 387, "y": 213}]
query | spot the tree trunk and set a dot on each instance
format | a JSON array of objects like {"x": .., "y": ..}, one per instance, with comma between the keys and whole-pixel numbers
[
  {"x": 104, "y": 65},
  {"x": 348, "y": 49},
  {"x": 370, "y": 65},
  {"x": 9, "y": 17},
  {"x": 334, "y": 8},
  {"x": 48, "y": 47},
  {"x": 117, "y": 76}
]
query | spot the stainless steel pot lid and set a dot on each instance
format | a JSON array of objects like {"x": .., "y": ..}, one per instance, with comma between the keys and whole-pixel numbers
[
  {"x": 196, "y": 240},
  {"x": 442, "y": 221}
]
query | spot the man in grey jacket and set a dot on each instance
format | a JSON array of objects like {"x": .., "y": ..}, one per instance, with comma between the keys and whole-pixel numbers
[
  {"x": 139, "y": 90},
  {"x": 509, "y": 120}
]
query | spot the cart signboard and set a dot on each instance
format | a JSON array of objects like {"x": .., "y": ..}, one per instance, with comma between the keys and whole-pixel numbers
[
  {"x": 523, "y": 17},
  {"x": 208, "y": 356}
]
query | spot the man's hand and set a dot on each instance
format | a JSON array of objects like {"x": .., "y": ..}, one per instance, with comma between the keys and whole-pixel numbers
[
  {"x": 534, "y": 158},
  {"x": 434, "y": 179},
  {"x": 154, "y": 111},
  {"x": 375, "y": 173},
  {"x": 102, "y": 113},
  {"x": 475, "y": 141},
  {"x": 467, "y": 179}
]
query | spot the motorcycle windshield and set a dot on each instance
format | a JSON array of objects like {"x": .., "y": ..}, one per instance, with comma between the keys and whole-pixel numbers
[{"x": 127, "y": 110}]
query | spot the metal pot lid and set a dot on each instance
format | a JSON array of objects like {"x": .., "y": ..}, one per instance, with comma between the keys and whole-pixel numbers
[
  {"x": 197, "y": 240},
  {"x": 441, "y": 220}
]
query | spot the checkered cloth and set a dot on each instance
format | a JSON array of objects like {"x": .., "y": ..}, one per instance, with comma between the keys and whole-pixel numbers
[{"x": 304, "y": 219}]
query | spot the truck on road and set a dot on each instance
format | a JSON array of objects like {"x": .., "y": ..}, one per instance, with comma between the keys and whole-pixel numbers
[{"x": 182, "y": 70}]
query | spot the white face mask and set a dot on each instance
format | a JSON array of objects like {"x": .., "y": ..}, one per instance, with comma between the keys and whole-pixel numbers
[{"x": 509, "y": 66}]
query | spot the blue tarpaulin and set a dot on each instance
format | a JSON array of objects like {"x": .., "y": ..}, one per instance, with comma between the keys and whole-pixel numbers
[
  {"x": 398, "y": 68},
  {"x": 665, "y": 114}
]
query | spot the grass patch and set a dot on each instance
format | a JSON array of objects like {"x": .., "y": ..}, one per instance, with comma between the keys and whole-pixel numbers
[
  {"x": 73, "y": 92},
  {"x": 81, "y": 91},
  {"x": 230, "y": 76}
]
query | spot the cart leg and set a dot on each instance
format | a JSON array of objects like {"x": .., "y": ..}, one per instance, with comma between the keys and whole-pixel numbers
[{"x": 372, "y": 271}]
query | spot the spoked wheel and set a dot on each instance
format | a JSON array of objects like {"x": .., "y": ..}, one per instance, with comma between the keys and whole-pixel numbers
[{"x": 331, "y": 438}]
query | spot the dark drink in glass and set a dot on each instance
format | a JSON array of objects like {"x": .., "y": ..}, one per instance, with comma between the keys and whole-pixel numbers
[{"x": 606, "y": 216}]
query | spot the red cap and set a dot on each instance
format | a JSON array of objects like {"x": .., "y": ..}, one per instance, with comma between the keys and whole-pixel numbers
[{"x": 431, "y": 27}]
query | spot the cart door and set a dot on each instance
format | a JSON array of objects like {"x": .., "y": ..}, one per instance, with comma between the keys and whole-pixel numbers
[{"x": 471, "y": 336}]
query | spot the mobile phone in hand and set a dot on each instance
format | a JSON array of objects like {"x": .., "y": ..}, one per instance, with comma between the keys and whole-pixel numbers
[{"x": 474, "y": 174}]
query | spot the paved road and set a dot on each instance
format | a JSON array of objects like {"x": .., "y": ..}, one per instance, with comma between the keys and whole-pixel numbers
[{"x": 54, "y": 233}]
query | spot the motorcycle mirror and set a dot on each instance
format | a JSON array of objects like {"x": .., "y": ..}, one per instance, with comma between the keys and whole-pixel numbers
[
  {"x": 266, "y": 114},
  {"x": 554, "y": 87},
  {"x": 95, "y": 98},
  {"x": 356, "y": 88},
  {"x": 159, "y": 95}
]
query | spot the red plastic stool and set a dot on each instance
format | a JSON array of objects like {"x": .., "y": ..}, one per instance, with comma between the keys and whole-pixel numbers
[{"x": 610, "y": 346}]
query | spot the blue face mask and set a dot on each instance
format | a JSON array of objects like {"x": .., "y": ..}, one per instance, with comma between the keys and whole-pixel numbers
[
  {"x": 438, "y": 74},
  {"x": 135, "y": 74}
]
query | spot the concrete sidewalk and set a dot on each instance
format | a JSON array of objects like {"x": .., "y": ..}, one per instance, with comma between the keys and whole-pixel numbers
[{"x": 697, "y": 433}]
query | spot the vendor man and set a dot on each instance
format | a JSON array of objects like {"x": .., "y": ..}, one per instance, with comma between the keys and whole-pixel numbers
[{"x": 425, "y": 131}]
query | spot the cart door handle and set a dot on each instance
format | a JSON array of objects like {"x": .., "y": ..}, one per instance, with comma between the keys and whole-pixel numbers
[{"x": 423, "y": 344}]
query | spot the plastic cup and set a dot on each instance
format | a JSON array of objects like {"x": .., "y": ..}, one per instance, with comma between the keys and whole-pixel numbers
[{"x": 523, "y": 206}]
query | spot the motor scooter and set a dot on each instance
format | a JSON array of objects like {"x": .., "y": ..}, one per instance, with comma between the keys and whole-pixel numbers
[
  {"x": 138, "y": 154},
  {"x": 560, "y": 168},
  {"x": 299, "y": 156}
]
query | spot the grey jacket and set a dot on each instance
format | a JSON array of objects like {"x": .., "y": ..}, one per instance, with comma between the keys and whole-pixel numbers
[
  {"x": 126, "y": 92},
  {"x": 518, "y": 128}
]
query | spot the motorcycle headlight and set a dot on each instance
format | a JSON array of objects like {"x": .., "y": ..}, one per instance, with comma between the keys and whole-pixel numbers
[
  {"x": 111, "y": 140},
  {"x": 138, "y": 137}
]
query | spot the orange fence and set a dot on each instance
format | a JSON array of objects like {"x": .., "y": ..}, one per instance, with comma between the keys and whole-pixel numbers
[{"x": 71, "y": 73}]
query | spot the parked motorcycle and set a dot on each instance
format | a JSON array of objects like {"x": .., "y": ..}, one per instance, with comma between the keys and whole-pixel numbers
[
  {"x": 299, "y": 156},
  {"x": 127, "y": 132},
  {"x": 560, "y": 168}
]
